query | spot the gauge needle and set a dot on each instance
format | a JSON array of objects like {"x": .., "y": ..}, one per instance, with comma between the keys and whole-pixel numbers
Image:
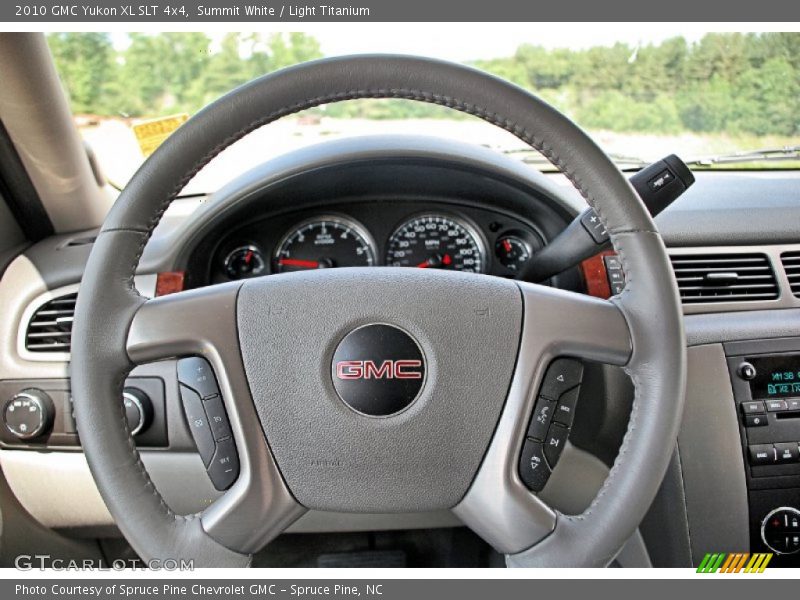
[
  {"x": 248, "y": 257},
  {"x": 507, "y": 245},
  {"x": 297, "y": 262},
  {"x": 435, "y": 261}
]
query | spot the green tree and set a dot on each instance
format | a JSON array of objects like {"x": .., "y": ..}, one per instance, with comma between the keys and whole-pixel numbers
[{"x": 85, "y": 62}]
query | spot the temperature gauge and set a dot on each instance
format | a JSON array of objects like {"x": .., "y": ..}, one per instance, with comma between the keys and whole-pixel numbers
[
  {"x": 245, "y": 261},
  {"x": 512, "y": 252}
]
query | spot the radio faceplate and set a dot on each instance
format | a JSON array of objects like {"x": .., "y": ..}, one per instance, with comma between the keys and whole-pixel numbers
[{"x": 765, "y": 378}]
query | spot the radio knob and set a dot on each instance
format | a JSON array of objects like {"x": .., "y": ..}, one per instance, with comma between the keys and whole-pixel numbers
[
  {"x": 29, "y": 414},
  {"x": 747, "y": 371},
  {"x": 138, "y": 410}
]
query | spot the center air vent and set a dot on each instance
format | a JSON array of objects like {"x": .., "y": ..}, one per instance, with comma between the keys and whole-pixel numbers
[
  {"x": 705, "y": 278},
  {"x": 791, "y": 264},
  {"x": 50, "y": 327}
]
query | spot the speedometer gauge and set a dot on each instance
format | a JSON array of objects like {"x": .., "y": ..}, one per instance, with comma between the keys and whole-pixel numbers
[
  {"x": 323, "y": 243},
  {"x": 436, "y": 242}
]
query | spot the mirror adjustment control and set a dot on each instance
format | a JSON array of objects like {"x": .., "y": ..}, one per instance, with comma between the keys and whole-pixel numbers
[
  {"x": 29, "y": 414},
  {"x": 533, "y": 469}
]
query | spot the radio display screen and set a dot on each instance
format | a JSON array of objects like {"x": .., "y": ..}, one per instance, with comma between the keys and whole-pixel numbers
[{"x": 776, "y": 376}]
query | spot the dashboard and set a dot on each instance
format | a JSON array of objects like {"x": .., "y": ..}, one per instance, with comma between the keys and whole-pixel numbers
[
  {"x": 407, "y": 202},
  {"x": 430, "y": 209}
]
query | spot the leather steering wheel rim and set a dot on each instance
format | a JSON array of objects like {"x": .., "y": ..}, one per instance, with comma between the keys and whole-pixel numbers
[{"x": 108, "y": 302}]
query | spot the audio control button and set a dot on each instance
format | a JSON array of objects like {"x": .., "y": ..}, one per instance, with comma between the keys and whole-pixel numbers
[
  {"x": 786, "y": 452},
  {"x": 753, "y": 407},
  {"x": 777, "y": 405},
  {"x": 533, "y": 469},
  {"x": 762, "y": 454},
  {"x": 755, "y": 420},
  {"x": 196, "y": 373}
]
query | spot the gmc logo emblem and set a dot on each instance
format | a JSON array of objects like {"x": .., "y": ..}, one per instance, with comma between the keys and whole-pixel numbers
[{"x": 388, "y": 369}]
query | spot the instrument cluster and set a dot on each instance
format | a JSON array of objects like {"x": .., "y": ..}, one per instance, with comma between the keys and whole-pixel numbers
[{"x": 480, "y": 242}]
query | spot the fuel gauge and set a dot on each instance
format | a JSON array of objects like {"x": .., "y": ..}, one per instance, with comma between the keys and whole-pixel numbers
[
  {"x": 512, "y": 252},
  {"x": 245, "y": 261}
]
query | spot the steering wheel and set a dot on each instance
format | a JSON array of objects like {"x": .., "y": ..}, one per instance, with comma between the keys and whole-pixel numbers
[{"x": 378, "y": 389}]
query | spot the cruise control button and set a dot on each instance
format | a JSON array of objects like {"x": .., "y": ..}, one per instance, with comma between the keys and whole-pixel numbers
[
  {"x": 554, "y": 444},
  {"x": 533, "y": 469},
  {"x": 786, "y": 452},
  {"x": 565, "y": 411},
  {"x": 754, "y": 407},
  {"x": 776, "y": 405},
  {"x": 217, "y": 418},
  {"x": 224, "y": 468},
  {"x": 542, "y": 415},
  {"x": 563, "y": 374},
  {"x": 762, "y": 454},
  {"x": 198, "y": 423},
  {"x": 196, "y": 373},
  {"x": 755, "y": 420}
]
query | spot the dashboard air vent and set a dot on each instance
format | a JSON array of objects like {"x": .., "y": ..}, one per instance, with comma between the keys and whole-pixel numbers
[
  {"x": 791, "y": 264},
  {"x": 706, "y": 278},
  {"x": 50, "y": 327}
]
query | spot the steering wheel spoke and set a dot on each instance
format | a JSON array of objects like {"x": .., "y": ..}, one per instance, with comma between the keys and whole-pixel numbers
[
  {"x": 258, "y": 506},
  {"x": 556, "y": 323}
]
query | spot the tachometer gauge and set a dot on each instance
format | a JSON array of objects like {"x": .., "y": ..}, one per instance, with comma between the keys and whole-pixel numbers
[
  {"x": 323, "y": 243},
  {"x": 436, "y": 242},
  {"x": 244, "y": 261}
]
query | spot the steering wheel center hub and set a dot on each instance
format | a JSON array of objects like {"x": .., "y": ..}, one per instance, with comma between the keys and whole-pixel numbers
[{"x": 378, "y": 370}]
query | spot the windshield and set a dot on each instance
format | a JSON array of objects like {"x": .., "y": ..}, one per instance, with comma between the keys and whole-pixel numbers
[{"x": 719, "y": 100}]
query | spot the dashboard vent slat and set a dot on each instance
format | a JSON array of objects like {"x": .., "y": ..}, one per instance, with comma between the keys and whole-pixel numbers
[
  {"x": 708, "y": 278},
  {"x": 791, "y": 264},
  {"x": 50, "y": 327}
]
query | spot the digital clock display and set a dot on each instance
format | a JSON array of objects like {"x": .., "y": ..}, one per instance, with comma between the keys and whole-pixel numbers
[{"x": 776, "y": 376}]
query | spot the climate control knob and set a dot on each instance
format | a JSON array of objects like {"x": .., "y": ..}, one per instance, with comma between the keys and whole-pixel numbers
[
  {"x": 138, "y": 410},
  {"x": 29, "y": 414},
  {"x": 780, "y": 530}
]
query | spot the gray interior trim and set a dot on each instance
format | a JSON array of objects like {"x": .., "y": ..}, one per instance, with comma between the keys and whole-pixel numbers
[
  {"x": 747, "y": 208},
  {"x": 665, "y": 528},
  {"x": 728, "y": 327},
  {"x": 711, "y": 457},
  {"x": 35, "y": 112},
  {"x": 58, "y": 491},
  {"x": 498, "y": 506},
  {"x": 203, "y": 322}
]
